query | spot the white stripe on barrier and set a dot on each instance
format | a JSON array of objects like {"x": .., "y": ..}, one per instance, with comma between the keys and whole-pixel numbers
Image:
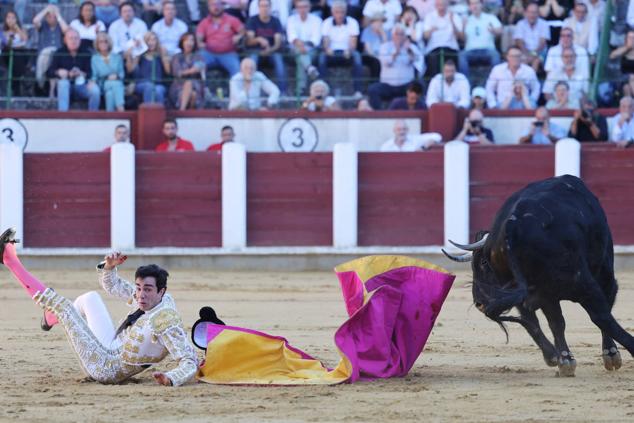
[
  {"x": 456, "y": 192},
  {"x": 122, "y": 196},
  {"x": 234, "y": 195},
  {"x": 568, "y": 157},
  {"x": 344, "y": 195},
  {"x": 12, "y": 188}
]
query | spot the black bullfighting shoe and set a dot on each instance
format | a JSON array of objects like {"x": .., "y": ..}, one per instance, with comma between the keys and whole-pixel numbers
[
  {"x": 44, "y": 324},
  {"x": 7, "y": 236}
]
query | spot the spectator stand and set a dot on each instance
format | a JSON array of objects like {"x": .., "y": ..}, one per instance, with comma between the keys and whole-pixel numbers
[{"x": 606, "y": 80}]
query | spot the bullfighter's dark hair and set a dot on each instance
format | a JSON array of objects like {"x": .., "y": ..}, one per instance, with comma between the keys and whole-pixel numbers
[{"x": 152, "y": 270}]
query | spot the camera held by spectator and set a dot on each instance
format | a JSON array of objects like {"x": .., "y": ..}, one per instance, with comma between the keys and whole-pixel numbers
[
  {"x": 542, "y": 130},
  {"x": 319, "y": 100},
  {"x": 588, "y": 125},
  {"x": 473, "y": 130}
]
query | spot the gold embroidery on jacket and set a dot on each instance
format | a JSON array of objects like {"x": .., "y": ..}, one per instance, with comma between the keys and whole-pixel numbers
[{"x": 164, "y": 320}]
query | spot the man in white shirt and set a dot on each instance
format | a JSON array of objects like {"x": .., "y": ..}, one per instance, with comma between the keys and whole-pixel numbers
[
  {"x": 403, "y": 142},
  {"x": 390, "y": 9},
  {"x": 586, "y": 31},
  {"x": 340, "y": 34},
  {"x": 246, "y": 88},
  {"x": 303, "y": 33},
  {"x": 531, "y": 35},
  {"x": 397, "y": 68},
  {"x": 502, "y": 78},
  {"x": 449, "y": 87},
  {"x": 577, "y": 81},
  {"x": 127, "y": 29},
  {"x": 441, "y": 31},
  {"x": 622, "y": 125},
  {"x": 480, "y": 31},
  {"x": 566, "y": 40},
  {"x": 169, "y": 29}
]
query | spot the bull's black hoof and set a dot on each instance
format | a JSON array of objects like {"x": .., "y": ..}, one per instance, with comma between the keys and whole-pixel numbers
[
  {"x": 567, "y": 364},
  {"x": 551, "y": 361},
  {"x": 612, "y": 359}
]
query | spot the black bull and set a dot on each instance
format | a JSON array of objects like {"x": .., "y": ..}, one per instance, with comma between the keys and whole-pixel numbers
[{"x": 549, "y": 242}]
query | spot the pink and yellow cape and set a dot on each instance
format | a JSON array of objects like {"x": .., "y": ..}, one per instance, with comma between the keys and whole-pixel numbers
[{"x": 392, "y": 304}]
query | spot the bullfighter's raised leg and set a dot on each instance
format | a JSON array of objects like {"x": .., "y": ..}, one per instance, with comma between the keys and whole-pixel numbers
[
  {"x": 567, "y": 363},
  {"x": 30, "y": 283}
]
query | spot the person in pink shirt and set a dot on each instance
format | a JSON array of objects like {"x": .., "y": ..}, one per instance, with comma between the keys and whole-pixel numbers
[{"x": 218, "y": 35}]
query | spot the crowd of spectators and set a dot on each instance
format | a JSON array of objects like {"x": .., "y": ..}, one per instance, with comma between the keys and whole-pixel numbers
[{"x": 395, "y": 54}]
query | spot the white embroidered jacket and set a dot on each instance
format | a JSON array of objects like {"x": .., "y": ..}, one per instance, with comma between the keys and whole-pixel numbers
[{"x": 155, "y": 334}]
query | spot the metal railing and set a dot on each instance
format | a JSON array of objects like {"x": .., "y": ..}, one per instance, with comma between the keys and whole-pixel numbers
[
  {"x": 217, "y": 82},
  {"x": 604, "y": 49}
]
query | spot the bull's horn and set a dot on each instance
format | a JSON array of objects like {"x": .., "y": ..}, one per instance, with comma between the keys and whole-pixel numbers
[
  {"x": 460, "y": 259},
  {"x": 471, "y": 247}
]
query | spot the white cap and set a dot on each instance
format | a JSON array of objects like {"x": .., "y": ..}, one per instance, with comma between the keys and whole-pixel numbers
[{"x": 479, "y": 92}]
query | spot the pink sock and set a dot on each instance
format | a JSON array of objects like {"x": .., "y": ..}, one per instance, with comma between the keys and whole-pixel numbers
[{"x": 27, "y": 280}]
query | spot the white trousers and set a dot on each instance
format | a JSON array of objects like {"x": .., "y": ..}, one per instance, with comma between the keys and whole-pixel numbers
[{"x": 91, "y": 307}]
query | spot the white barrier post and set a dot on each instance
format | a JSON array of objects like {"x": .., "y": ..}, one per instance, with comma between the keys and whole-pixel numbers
[
  {"x": 234, "y": 195},
  {"x": 12, "y": 189},
  {"x": 568, "y": 157},
  {"x": 344, "y": 195},
  {"x": 122, "y": 196},
  {"x": 456, "y": 192}
]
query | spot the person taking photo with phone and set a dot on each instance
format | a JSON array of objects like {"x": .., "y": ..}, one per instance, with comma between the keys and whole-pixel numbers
[{"x": 542, "y": 130}]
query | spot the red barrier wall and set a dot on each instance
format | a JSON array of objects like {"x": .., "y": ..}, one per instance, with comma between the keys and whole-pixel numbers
[
  {"x": 497, "y": 172},
  {"x": 67, "y": 200},
  {"x": 67, "y": 196},
  {"x": 289, "y": 199},
  {"x": 401, "y": 198},
  {"x": 609, "y": 173},
  {"x": 178, "y": 199}
]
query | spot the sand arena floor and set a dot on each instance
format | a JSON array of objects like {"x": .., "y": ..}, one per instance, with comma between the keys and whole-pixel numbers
[{"x": 466, "y": 373}]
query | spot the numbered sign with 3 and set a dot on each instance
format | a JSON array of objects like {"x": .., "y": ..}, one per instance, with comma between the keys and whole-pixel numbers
[
  {"x": 298, "y": 135},
  {"x": 12, "y": 130}
]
